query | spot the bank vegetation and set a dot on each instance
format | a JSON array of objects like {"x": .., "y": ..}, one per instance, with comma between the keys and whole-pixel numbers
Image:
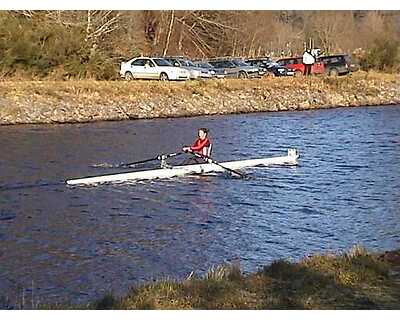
[
  {"x": 353, "y": 280},
  {"x": 60, "y": 45}
]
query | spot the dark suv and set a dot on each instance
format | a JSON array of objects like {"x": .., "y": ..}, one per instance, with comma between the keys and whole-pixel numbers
[
  {"x": 270, "y": 67},
  {"x": 336, "y": 64}
]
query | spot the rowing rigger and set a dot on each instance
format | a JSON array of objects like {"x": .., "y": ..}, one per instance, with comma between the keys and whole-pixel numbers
[{"x": 176, "y": 171}]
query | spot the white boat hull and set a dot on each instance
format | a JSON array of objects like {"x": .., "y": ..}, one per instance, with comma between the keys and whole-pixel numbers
[{"x": 164, "y": 173}]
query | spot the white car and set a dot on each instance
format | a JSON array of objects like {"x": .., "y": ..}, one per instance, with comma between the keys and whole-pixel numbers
[{"x": 152, "y": 68}]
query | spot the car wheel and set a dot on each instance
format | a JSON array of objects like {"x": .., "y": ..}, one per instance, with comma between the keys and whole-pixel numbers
[
  {"x": 129, "y": 76},
  {"x": 163, "y": 76},
  {"x": 298, "y": 73},
  {"x": 242, "y": 75},
  {"x": 333, "y": 72}
]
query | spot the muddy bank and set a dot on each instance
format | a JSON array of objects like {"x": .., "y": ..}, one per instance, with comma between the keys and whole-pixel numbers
[{"x": 30, "y": 102}]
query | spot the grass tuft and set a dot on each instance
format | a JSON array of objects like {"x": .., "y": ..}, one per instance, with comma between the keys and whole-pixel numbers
[{"x": 108, "y": 302}]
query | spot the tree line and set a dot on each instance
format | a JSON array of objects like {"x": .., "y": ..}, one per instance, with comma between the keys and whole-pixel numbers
[{"x": 91, "y": 44}]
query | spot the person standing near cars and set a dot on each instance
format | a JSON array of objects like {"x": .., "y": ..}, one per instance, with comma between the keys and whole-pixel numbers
[{"x": 308, "y": 61}]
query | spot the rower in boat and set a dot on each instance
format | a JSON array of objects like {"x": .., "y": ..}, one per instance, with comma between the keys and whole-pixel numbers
[
  {"x": 176, "y": 171},
  {"x": 201, "y": 147}
]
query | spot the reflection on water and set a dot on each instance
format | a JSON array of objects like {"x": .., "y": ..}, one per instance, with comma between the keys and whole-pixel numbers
[{"x": 77, "y": 243}]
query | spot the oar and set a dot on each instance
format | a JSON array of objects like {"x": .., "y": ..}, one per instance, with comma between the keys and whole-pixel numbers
[
  {"x": 159, "y": 157},
  {"x": 208, "y": 159}
]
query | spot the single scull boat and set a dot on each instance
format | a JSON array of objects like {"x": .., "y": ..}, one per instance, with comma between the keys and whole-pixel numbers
[{"x": 175, "y": 171}]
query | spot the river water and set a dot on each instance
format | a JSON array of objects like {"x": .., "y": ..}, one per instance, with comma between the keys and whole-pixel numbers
[{"x": 74, "y": 244}]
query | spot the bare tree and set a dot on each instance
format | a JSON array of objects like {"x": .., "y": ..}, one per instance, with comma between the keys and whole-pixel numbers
[
  {"x": 114, "y": 35},
  {"x": 171, "y": 25}
]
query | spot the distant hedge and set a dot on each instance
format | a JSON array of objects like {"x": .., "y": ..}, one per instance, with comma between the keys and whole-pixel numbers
[
  {"x": 383, "y": 56},
  {"x": 36, "y": 49}
]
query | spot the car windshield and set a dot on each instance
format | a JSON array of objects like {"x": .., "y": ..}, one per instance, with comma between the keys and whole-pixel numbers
[
  {"x": 216, "y": 64},
  {"x": 162, "y": 63},
  {"x": 205, "y": 65},
  {"x": 240, "y": 63},
  {"x": 183, "y": 62},
  {"x": 227, "y": 64},
  {"x": 188, "y": 63},
  {"x": 258, "y": 62}
]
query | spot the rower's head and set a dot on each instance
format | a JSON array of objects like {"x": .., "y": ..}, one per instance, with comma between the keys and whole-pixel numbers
[{"x": 202, "y": 133}]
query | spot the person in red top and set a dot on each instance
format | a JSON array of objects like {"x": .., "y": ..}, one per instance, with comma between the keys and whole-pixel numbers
[{"x": 201, "y": 145}]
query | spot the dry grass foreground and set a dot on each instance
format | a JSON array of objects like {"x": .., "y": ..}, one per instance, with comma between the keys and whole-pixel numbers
[
  {"x": 352, "y": 280},
  {"x": 85, "y": 101},
  {"x": 116, "y": 91}
]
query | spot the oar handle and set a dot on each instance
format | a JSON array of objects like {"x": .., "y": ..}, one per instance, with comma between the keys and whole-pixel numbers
[
  {"x": 166, "y": 156},
  {"x": 159, "y": 157}
]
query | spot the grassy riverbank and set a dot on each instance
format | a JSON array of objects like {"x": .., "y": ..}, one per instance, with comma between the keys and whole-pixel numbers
[
  {"x": 353, "y": 280},
  {"x": 84, "y": 101}
]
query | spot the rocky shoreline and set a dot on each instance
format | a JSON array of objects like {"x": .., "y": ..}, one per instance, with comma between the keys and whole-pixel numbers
[{"x": 47, "y": 102}]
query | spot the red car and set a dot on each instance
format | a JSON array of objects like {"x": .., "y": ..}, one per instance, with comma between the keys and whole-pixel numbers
[{"x": 297, "y": 65}]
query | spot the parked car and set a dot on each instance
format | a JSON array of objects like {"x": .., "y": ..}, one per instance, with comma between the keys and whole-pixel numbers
[
  {"x": 336, "y": 64},
  {"x": 152, "y": 68},
  {"x": 185, "y": 63},
  {"x": 297, "y": 65},
  {"x": 235, "y": 68},
  {"x": 270, "y": 67},
  {"x": 354, "y": 67},
  {"x": 217, "y": 73},
  {"x": 261, "y": 63},
  {"x": 242, "y": 64},
  {"x": 276, "y": 70}
]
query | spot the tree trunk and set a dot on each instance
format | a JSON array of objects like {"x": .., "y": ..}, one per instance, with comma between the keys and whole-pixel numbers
[
  {"x": 171, "y": 24},
  {"x": 88, "y": 24},
  {"x": 251, "y": 48},
  {"x": 180, "y": 40},
  {"x": 234, "y": 46}
]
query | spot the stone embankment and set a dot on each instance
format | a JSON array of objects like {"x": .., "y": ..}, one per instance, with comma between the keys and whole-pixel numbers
[{"x": 34, "y": 102}]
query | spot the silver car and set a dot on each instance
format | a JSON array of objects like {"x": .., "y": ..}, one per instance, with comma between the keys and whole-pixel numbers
[
  {"x": 217, "y": 73},
  {"x": 235, "y": 68},
  {"x": 195, "y": 71}
]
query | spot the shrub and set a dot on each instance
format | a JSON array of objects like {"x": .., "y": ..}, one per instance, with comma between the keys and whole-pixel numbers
[
  {"x": 383, "y": 56},
  {"x": 42, "y": 48}
]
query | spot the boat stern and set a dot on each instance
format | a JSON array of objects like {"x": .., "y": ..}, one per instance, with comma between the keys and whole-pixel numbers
[{"x": 293, "y": 155}]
